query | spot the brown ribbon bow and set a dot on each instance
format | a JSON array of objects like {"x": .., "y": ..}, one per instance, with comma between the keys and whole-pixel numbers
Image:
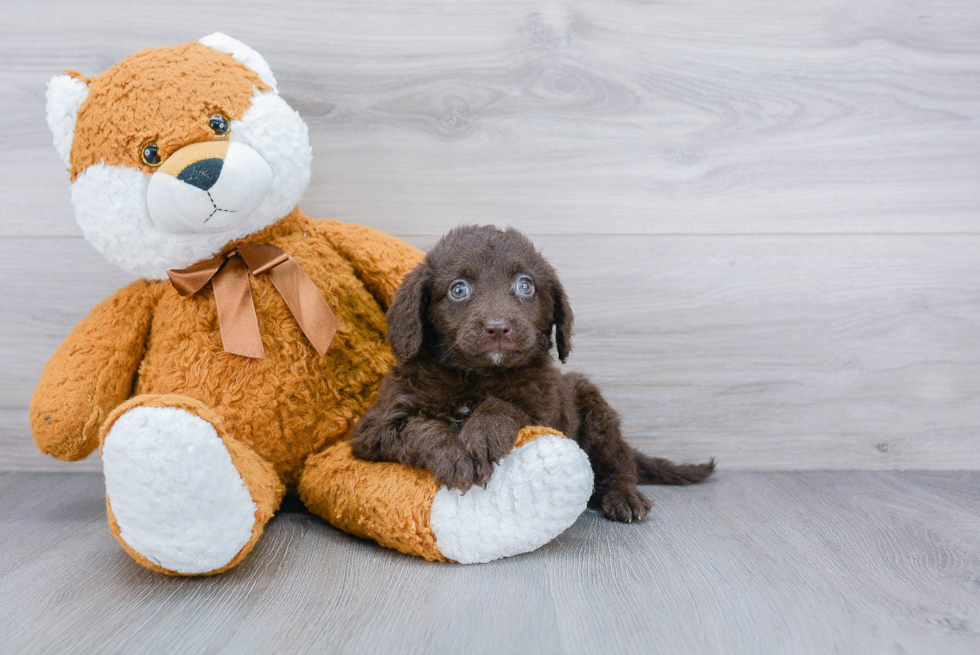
[{"x": 228, "y": 274}]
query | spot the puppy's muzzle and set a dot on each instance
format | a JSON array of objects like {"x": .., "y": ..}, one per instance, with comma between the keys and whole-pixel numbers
[
  {"x": 207, "y": 187},
  {"x": 497, "y": 329}
]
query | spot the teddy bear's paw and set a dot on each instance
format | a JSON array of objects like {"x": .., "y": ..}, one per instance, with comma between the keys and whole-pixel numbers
[
  {"x": 535, "y": 493},
  {"x": 175, "y": 494}
]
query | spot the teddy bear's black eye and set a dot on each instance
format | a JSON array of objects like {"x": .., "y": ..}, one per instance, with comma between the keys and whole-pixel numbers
[
  {"x": 150, "y": 155},
  {"x": 219, "y": 124}
]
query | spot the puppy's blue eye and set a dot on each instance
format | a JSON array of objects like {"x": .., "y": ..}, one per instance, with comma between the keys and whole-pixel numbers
[
  {"x": 459, "y": 290},
  {"x": 524, "y": 286}
]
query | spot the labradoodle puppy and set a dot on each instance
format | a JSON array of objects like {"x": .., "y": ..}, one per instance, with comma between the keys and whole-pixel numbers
[{"x": 471, "y": 329}]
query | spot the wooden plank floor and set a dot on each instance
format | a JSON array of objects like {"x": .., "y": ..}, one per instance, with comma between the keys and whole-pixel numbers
[{"x": 814, "y": 562}]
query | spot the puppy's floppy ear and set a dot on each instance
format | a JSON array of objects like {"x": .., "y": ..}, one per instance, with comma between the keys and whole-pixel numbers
[
  {"x": 562, "y": 319},
  {"x": 406, "y": 316}
]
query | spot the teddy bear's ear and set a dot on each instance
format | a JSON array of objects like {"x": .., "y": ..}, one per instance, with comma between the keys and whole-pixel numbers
[
  {"x": 65, "y": 95},
  {"x": 244, "y": 54}
]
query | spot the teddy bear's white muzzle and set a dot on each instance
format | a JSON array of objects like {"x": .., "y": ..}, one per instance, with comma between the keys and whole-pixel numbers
[{"x": 207, "y": 187}]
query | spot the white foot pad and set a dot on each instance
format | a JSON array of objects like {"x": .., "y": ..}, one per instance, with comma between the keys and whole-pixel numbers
[
  {"x": 535, "y": 493},
  {"x": 178, "y": 499}
]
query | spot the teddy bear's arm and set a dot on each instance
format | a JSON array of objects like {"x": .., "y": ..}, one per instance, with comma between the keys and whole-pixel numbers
[
  {"x": 91, "y": 372},
  {"x": 380, "y": 260}
]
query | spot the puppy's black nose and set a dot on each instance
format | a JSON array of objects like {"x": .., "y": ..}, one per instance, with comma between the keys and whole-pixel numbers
[{"x": 496, "y": 328}]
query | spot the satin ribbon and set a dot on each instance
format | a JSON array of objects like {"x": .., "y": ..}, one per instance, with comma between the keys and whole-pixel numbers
[{"x": 228, "y": 274}]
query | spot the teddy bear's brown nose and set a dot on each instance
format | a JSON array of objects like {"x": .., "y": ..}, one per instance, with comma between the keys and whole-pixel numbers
[{"x": 202, "y": 174}]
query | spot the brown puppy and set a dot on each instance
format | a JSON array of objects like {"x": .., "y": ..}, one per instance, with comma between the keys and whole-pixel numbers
[{"x": 471, "y": 328}]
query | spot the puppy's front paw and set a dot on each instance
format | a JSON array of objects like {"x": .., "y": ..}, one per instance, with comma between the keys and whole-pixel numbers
[
  {"x": 482, "y": 470},
  {"x": 500, "y": 444},
  {"x": 460, "y": 470},
  {"x": 487, "y": 446},
  {"x": 625, "y": 504}
]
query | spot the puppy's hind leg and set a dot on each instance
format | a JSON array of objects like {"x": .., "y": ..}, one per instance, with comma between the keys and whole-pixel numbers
[{"x": 613, "y": 461}]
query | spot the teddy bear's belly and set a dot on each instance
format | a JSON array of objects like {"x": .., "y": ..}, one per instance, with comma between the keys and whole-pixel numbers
[{"x": 292, "y": 403}]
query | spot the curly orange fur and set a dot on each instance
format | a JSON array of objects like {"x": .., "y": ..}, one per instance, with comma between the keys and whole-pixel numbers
[
  {"x": 281, "y": 418},
  {"x": 147, "y": 339},
  {"x": 176, "y": 89}
]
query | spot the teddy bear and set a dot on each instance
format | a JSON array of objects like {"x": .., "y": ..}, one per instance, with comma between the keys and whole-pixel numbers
[{"x": 232, "y": 372}]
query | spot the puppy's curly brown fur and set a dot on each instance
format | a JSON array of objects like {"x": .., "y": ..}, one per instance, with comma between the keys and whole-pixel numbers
[{"x": 471, "y": 328}]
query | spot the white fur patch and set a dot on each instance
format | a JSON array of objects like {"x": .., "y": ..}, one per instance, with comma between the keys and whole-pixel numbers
[
  {"x": 242, "y": 53},
  {"x": 277, "y": 132},
  {"x": 111, "y": 207},
  {"x": 177, "y": 497},
  {"x": 536, "y": 492},
  {"x": 183, "y": 208},
  {"x": 65, "y": 96}
]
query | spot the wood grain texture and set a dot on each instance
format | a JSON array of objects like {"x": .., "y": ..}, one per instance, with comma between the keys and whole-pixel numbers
[
  {"x": 20, "y": 453},
  {"x": 767, "y": 353},
  {"x": 857, "y": 562},
  {"x": 566, "y": 116},
  {"x": 767, "y": 213}
]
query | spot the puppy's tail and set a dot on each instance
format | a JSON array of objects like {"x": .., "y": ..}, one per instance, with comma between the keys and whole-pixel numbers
[{"x": 656, "y": 470}]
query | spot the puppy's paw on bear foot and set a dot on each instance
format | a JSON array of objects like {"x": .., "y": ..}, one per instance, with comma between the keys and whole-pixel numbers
[
  {"x": 625, "y": 505},
  {"x": 462, "y": 472},
  {"x": 535, "y": 493}
]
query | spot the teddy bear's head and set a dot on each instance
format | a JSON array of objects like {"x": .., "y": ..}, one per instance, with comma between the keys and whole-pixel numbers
[{"x": 175, "y": 151}]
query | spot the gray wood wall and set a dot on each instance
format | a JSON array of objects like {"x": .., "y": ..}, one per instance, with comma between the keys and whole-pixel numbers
[{"x": 766, "y": 213}]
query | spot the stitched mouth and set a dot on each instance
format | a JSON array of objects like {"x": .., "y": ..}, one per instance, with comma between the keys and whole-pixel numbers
[{"x": 216, "y": 208}]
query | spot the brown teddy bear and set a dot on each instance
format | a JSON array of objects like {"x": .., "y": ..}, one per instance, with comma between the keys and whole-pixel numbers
[{"x": 234, "y": 370}]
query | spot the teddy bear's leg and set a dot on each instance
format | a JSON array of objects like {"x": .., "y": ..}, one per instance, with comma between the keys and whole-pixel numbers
[
  {"x": 536, "y": 492},
  {"x": 183, "y": 496}
]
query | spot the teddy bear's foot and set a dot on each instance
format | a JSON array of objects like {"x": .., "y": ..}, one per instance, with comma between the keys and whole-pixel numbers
[
  {"x": 536, "y": 492},
  {"x": 177, "y": 502}
]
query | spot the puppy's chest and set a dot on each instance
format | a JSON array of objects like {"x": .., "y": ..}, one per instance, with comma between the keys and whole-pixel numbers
[
  {"x": 454, "y": 405},
  {"x": 459, "y": 416}
]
